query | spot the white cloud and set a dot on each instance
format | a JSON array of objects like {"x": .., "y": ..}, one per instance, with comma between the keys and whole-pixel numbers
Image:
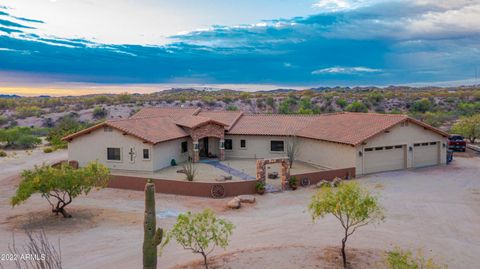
[
  {"x": 345, "y": 70},
  {"x": 339, "y": 5}
]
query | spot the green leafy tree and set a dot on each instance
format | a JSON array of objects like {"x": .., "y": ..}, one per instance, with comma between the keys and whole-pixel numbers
[
  {"x": 341, "y": 102},
  {"x": 201, "y": 232},
  {"x": 65, "y": 126},
  {"x": 60, "y": 185},
  {"x": 23, "y": 137},
  {"x": 357, "y": 106},
  {"x": 351, "y": 204},
  {"x": 468, "y": 127},
  {"x": 401, "y": 259},
  {"x": 270, "y": 102}
]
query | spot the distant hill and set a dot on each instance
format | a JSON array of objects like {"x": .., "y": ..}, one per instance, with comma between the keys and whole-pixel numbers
[
  {"x": 277, "y": 91},
  {"x": 10, "y": 96}
]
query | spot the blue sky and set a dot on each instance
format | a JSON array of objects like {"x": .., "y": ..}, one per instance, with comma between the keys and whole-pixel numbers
[{"x": 291, "y": 43}]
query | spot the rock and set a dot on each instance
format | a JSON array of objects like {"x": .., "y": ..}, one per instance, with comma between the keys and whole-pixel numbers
[
  {"x": 220, "y": 179},
  {"x": 246, "y": 198},
  {"x": 227, "y": 177},
  {"x": 336, "y": 181},
  {"x": 322, "y": 183},
  {"x": 234, "y": 203}
]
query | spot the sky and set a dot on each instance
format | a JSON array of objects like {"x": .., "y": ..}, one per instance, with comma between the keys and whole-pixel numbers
[{"x": 77, "y": 46}]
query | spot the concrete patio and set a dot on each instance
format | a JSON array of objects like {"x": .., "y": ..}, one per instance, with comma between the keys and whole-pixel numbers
[{"x": 211, "y": 170}]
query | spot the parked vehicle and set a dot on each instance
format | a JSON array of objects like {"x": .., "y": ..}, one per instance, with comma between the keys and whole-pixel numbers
[{"x": 457, "y": 143}]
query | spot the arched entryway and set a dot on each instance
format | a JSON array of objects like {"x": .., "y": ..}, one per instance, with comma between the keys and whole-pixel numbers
[{"x": 284, "y": 170}]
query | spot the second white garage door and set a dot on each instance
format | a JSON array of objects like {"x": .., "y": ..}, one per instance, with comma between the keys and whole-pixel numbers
[
  {"x": 425, "y": 154},
  {"x": 387, "y": 158}
]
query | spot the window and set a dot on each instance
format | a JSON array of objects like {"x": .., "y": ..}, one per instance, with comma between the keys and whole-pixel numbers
[
  {"x": 424, "y": 144},
  {"x": 228, "y": 144},
  {"x": 243, "y": 144},
  {"x": 276, "y": 145},
  {"x": 398, "y": 146},
  {"x": 369, "y": 149},
  {"x": 379, "y": 148},
  {"x": 113, "y": 154},
  {"x": 416, "y": 145},
  {"x": 184, "y": 146},
  {"x": 389, "y": 147},
  {"x": 433, "y": 143},
  {"x": 146, "y": 154}
]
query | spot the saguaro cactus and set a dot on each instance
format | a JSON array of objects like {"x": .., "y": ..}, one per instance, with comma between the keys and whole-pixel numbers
[{"x": 152, "y": 236}]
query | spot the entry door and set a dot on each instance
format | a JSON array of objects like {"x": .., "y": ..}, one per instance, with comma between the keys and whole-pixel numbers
[
  {"x": 388, "y": 158},
  {"x": 426, "y": 154}
]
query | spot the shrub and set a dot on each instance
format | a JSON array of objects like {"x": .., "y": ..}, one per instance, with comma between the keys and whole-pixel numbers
[
  {"x": 99, "y": 112},
  {"x": 422, "y": 105},
  {"x": 190, "y": 170},
  {"x": 341, "y": 102},
  {"x": 232, "y": 108},
  {"x": 401, "y": 259},
  {"x": 357, "y": 106},
  {"x": 48, "y": 150},
  {"x": 22, "y": 137},
  {"x": 3, "y": 153}
]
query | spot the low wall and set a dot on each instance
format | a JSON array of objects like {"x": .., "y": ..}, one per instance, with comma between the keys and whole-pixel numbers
[
  {"x": 189, "y": 188},
  {"x": 315, "y": 177}
]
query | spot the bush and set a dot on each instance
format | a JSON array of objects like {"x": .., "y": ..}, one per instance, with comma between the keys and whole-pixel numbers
[
  {"x": 47, "y": 150},
  {"x": 422, "y": 105},
  {"x": 341, "y": 102},
  {"x": 400, "y": 259},
  {"x": 232, "y": 108},
  {"x": 99, "y": 112},
  {"x": 22, "y": 137},
  {"x": 3, "y": 153},
  {"x": 357, "y": 106}
]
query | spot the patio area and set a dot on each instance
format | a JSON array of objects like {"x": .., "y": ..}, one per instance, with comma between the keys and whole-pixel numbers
[{"x": 213, "y": 170}]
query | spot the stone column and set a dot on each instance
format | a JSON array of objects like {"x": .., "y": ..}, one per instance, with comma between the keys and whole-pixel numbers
[
  {"x": 260, "y": 170},
  {"x": 196, "y": 152},
  {"x": 222, "y": 150},
  {"x": 284, "y": 174}
]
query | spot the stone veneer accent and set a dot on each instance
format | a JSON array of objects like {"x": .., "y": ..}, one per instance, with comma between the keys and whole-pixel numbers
[
  {"x": 284, "y": 172},
  {"x": 206, "y": 130}
]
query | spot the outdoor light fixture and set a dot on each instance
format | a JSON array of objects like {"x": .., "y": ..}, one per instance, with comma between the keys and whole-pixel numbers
[
  {"x": 443, "y": 144},
  {"x": 410, "y": 148},
  {"x": 360, "y": 153}
]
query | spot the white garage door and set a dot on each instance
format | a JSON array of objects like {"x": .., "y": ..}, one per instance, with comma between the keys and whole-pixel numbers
[
  {"x": 387, "y": 158},
  {"x": 425, "y": 154}
]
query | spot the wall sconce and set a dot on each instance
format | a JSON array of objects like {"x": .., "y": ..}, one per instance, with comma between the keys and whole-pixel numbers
[
  {"x": 195, "y": 146},
  {"x": 443, "y": 144},
  {"x": 410, "y": 148},
  {"x": 360, "y": 153}
]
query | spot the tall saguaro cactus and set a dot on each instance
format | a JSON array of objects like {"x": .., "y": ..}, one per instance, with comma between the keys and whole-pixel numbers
[{"x": 152, "y": 236}]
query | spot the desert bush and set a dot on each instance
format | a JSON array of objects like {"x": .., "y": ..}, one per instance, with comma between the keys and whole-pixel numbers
[
  {"x": 28, "y": 111},
  {"x": 341, "y": 102},
  {"x": 351, "y": 204},
  {"x": 63, "y": 127},
  {"x": 401, "y": 259},
  {"x": 423, "y": 105},
  {"x": 468, "y": 127},
  {"x": 99, "y": 112},
  {"x": 59, "y": 186},
  {"x": 356, "y": 106},
  {"x": 3, "y": 153},
  {"x": 232, "y": 108},
  {"x": 48, "y": 150},
  {"x": 201, "y": 232}
]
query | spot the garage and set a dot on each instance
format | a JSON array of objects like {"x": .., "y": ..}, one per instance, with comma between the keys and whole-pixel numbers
[
  {"x": 425, "y": 154},
  {"x": 388, "y": 158}
]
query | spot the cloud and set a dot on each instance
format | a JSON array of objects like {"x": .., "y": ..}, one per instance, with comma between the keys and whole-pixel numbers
[
  {"x": 367, "y": 42},
  {"x": 345, "y": 70}
]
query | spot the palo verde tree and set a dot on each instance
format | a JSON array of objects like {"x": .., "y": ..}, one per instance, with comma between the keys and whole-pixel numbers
[
  {"x": 351, "y": 204},
  {"x": 60, "y": 185},
  {"x": 468, "y": 127},
  {"x": 201, "y": 232}
]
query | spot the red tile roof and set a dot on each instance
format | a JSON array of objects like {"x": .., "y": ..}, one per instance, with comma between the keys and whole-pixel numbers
[
  {"x": 195, "y": 121},
  {"x": 155, "y": 125},
  {"x": 229, "y": 118}
]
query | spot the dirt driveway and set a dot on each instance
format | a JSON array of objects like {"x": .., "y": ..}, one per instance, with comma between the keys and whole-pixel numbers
[{"x": 436, "y": 209}]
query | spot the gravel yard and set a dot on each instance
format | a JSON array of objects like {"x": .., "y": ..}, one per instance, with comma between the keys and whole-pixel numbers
[{"x": 436, "y": 209}]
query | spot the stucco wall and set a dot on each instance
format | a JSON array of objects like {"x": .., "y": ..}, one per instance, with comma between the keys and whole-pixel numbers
[
  {"x": 93, "y": 146},
  {"x": 331, "y": 155},
  {"x": 164, "y": 152},
  {"x": 257, "y": 147},
  {"x": 403, "y": 135}
]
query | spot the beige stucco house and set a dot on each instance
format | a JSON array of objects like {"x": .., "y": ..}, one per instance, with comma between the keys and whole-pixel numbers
[{"x": 153, "y": 137}]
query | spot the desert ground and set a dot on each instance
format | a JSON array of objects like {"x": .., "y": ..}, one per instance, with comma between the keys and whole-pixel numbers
[{"x": 435, "y": 209}]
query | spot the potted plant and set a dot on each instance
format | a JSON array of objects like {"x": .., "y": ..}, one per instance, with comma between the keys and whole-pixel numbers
[
  {"x": 260, "y": 187},
  {"x": 293, "y": 183}
]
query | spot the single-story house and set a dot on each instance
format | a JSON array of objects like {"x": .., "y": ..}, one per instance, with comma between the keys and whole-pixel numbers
[{"x": 153, "y": 137}]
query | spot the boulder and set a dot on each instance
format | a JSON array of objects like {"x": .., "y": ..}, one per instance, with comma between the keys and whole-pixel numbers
[
  {"x": 246, "y": 198},
  {"x": 234, "y": 203},
  {"x": 336, "y": 181},
  {"x": 322, "y": 183}
]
